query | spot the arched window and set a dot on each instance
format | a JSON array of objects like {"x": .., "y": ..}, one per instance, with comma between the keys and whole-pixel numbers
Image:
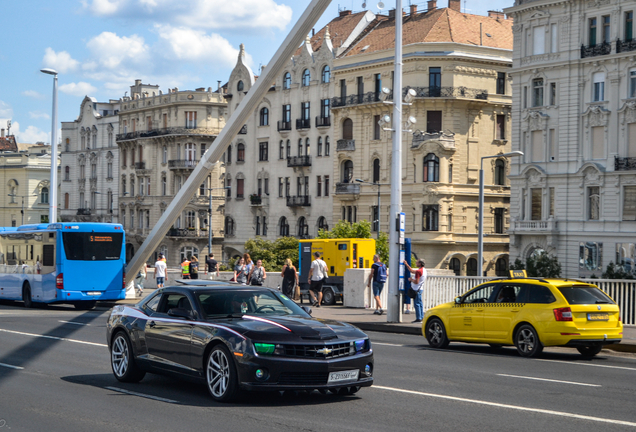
[
  {"x": 501, "y": 267},
  {"x": 286, "y": 81},
  {"x": 322, "y": 223},
  {"x": 326, "y": 74},
  {"x": 455, "y": 266},
  {"x": 300, "y": 147},
  {"x": 240, "y": 86},
  {"x": 240, "y": 152},
  {"x": 229, "y": 226},
  {"x": 376, "y": 170},
  {"x": 471, "y": 267},
  {"x": 327, "y": 146},
  {"x": 264, "y": 117},
  {"x": 319, "y": 146},
  {"x": 307, "y": 147},
  {"x": 283, "y": 227},
  {"x": 500, "y": 172},
  {"x": 347, "y": 129},
  {"x": 281, "y": 150},
  {"x": 228, "y": 154},
  {"x": 66, "y": 201},
  {"x": 123, "y": 157},
  {"x": 67, "y": 173},
  {"x": 288, "y": 149},
  {"x": 347, "y": 171},
  {"x": 303, "y": 228},
  {"x": 68, "y": 145},
  {"x": 44, "y": 196},
  {"x": 164, "y": 155},
  {"x": 430, "y": 218},
  {"x": 306, "y": 78},
  {"x": 431, "y": 168},
  {"x": 190, "y": 219}
]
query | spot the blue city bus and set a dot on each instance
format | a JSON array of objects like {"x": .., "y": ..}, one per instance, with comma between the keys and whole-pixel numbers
[{"x": 76, "y": 263}]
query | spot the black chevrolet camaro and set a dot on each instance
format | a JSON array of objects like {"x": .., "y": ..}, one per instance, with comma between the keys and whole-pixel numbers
[{"x": 237, "y": 338}]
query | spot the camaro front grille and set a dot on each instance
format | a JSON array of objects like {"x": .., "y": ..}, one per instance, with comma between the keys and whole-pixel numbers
[
  {"x": 319, "y": 351},
  {"x": 294, "y": 378}
]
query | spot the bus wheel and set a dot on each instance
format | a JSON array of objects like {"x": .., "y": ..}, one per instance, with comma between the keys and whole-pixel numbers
[
  {"x": 26, "y": 296},
  {"x": 85, "y": 305}
]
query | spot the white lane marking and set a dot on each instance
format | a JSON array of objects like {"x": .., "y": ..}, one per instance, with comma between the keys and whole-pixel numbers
[
  {"x": 11, "y": 366},
  {"x": 513, "y": 407},
  {"x": 386, "y": 344},
  {"x": 549, "y": 380},
  {"x": 54, "y": 337},
  {"x": 132, "y": 393},
  {"x": 71, "y": 322},
  {"x": 587, "y": 364}
]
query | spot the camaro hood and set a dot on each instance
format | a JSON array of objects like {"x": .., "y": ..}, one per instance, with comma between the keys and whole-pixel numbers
[{"x": 290, "y": 329}]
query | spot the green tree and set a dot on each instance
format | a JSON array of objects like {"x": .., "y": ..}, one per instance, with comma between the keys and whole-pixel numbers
[
  {"x": 273, "y": 254},
  {"x": 362, "y": 229},
  {"x": 539, "y": 265},
  {"x": 616, "y": 271}
]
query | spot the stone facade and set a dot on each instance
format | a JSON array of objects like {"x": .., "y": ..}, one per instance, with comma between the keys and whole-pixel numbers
[
  {"x": 161, "y": 139},
  {"x": 89, "y": 156},
  {"x": 574, "y": 195}
]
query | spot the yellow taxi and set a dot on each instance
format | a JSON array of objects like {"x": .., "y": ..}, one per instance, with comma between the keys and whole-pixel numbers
[{"x": 528, "y": 313}]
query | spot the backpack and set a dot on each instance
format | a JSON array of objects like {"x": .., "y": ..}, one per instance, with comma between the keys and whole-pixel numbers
[{"x": 381, "y": 276}]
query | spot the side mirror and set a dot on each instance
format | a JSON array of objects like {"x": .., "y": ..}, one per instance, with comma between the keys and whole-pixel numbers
[
  {"x": 181, "y": 313},
  {"x": 458, "y": 300},
  {"x": 306, "y": 309}
]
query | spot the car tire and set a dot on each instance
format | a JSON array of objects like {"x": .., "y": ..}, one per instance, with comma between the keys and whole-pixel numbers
[
  {"x": 590, "y": 351},
  {"x": 328, "y": 296},
  {"x": 26, "y": 296},
  {"x": 122, "y": 360},
  {"x": 85, "y": 305},
  {"x": 527, "y": 341},
  {"x": 436, "y": 334},
  {"x": 220, "y": 375}
]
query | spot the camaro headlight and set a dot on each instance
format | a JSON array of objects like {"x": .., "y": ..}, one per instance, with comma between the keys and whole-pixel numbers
[
  {"x": 361, "y": 345},
  {"x": 264, "y": 348}
]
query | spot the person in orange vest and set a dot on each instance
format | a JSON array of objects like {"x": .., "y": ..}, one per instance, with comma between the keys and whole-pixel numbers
[{"x": 185, "y": 268}]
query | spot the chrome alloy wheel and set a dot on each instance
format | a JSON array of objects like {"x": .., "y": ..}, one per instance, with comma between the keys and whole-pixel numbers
[
  {"x": 120, "y": 356},
  {"x": 218, "y": 373},
  {"x": 526, "y": 340},
  {"x": 436, "y": 333}
]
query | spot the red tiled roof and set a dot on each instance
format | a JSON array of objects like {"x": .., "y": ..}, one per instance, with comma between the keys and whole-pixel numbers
[
  {"x": 8, "y": 143},
  {"x": 340, "y": 29}
]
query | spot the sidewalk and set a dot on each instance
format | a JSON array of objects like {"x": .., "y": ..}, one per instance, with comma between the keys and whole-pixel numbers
[{"x": 367, "y": 321}]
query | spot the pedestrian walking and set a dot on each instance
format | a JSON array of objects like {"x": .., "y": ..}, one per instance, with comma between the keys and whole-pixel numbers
[
  {"x": 194, "y": 267},
  {"x": 185, "y": 268},
  {"x": 161, "y": 272},
  {"x": 140, "y": 278},
  {"x": 290, "y": 279},
  {"x": 378, "y": 277},
  {"x": 316, "y": 278},
  {"x": 417, "y": 285},
  {"x": 211, "y": 267},
  {"x": 257, "y": 274},
  {"x": 240, "y": 272},
  {"x": 248, "y": 262}
]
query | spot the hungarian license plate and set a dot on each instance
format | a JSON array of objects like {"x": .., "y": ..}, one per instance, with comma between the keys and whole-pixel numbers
[
  {"x": 351, "y": 375},
  {"x": 598, "y": 317}
]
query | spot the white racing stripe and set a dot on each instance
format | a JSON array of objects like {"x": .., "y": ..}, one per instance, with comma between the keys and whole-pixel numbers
[
  {"x": 11, "y": 366},
  {"x": 72, "y": 322},
  {"x": 132, "y": 393},
  {"x": 588, "y": 364},
  {"x": 53, "y": 337},
  {"x": 512, "y": 407},
  {"x": 548, "y": 380}
]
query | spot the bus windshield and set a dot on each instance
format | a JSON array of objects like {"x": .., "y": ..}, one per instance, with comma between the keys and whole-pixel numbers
[{"x": 91, "y": 246}]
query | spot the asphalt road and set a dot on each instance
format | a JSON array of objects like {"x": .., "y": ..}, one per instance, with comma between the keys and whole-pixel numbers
[{"x": 55, "y": 376}]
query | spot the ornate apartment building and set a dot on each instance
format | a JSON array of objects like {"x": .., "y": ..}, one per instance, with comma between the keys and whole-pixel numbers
[
  {"x": 574, "y": 195},
  {"x": 459, "y": 66},
  {"x": 89, "y": 156},
  {"x": 161, "y": 139},
  {"x": 279, "y": 168}
]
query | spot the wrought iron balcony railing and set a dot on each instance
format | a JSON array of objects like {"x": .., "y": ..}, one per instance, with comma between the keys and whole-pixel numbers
[
  {"x": 355, "y": 99},
  {"x": 625, "y": 46},
  {"x": 604, "y": 48},
  {"x": 140, "y": 165},
  {"x": 298, "y": 201},
  {"x": 182, "y": 164},
  {"x": 624, "y": 163},
  {"x": 284, "y": 125},
  {"x": 346, "y": 145},
  {"x": 450, "y": 92},
  {"x": 347, "y": 189},
  {"x": 83, "y": 212},
  {"x": 303, "y": 123},
  {"x": 167, "y": 131},
  {"x": 323, "y": 121},
  {"x": 299, "y": 161}
]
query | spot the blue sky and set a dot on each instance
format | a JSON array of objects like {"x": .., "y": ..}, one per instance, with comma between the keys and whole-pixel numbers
[{"x": 100, "y": 47}]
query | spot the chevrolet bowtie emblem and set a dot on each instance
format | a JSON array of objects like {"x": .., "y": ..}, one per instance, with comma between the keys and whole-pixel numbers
[{"x": 324, "y": 351}]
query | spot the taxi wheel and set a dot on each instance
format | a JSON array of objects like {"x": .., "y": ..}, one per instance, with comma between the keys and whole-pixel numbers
[
  {"x": 527, "y": 341},
  {"x": 590, "y": 351},
  {"x": 436, "y": 334}
]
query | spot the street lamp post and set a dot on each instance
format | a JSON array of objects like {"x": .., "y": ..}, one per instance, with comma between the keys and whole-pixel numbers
[
  {"x": 53, "y": 192},
  {"x": 378, "y": 215},
  {"x": 23, "y": 197},
  {"x": 480, "y": 238}
]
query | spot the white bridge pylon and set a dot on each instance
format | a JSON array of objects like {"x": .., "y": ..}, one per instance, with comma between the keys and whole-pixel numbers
[{"x": 295, "y": 38}]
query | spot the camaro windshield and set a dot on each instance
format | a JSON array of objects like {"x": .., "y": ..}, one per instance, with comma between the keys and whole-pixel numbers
[{"x": 239, "y": 302}]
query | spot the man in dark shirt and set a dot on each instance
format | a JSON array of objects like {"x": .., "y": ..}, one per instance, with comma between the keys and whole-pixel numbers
[{"x": 212, "y": 267}]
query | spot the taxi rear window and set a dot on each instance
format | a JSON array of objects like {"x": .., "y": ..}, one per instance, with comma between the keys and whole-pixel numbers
[{"x": 582, "y": 294}]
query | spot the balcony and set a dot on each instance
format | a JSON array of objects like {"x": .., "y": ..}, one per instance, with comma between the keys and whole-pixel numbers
[
  {"x": 299, "y": 161},
  {"x": 182, "y": 164},
  {"x": 140, "y": 165},
  {"x": 347, "y": 189},
  {"x": 257, "y": 200},
  {"x": 625, "y": 46},
  {"x": 445, "y": 138},
  {"x": 186, "y": 232},
  {"x": 346, "y": 145},
  {"x": 168, "y": 131},
  {"x": 243, "y": 130},
  {"x": 355, "y": 99},
  {"x": 284, "y": 126},
  {"x": 535, "y": 226},
  {"x": 450, "y": 92},
  {"x": 303, "y": 124},
  {"x": 604, "y": 48},
  {"x": 624, "y": 163},
  {"x": 323, "y": 121},
  {"x": 83, "y": 212},
  {"x": 298, "y": 201}
]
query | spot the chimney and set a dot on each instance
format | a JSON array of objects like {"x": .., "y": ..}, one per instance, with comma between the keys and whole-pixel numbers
[
  {"x": 497, "y": 15},
  {"x": 345, "y": 13},
  {"x": 392, "y": 13},
  {"x": 455, "y": 5},
  {"x": 413, "y": 9},
  {"x": 2, "y": 133},
  {"x": 432, "y": 5}
]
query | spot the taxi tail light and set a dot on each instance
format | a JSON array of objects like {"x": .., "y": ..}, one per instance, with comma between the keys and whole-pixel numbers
[
  {"x": 59, "y": 281},
  {"x": 563, "y": 314}
]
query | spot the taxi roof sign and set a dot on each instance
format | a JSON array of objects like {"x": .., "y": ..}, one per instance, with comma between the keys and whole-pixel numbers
[{"x": 518, "y": 274}]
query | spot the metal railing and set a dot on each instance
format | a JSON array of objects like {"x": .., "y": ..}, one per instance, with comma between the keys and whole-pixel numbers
[
  {"x": 83, "y": 212},
  {"x": 625, "y": 46},
  {"x": 347, "y": 189},
  {"x": 298, "y": 201},
  {"x": 299, "y": 161},
  {"x": 186, "y": 232},
  {"x": 284, "y": 125},
  {"x": 604, "y": 48},
  {"x": 303, "y": 123},
  {"x": 167, "y": 131},
  {"x": 140, "y": 165},
  {"x": 535, "y": 225},
  {"x": 355, "y": 99},
  {"x": 346, "y": 145},
  {"x": 323, "y": 121},
  {"x": 182, "y": 164},
  {"x": 624, "y": 163},
  {"x": 451, "y": 92}
]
